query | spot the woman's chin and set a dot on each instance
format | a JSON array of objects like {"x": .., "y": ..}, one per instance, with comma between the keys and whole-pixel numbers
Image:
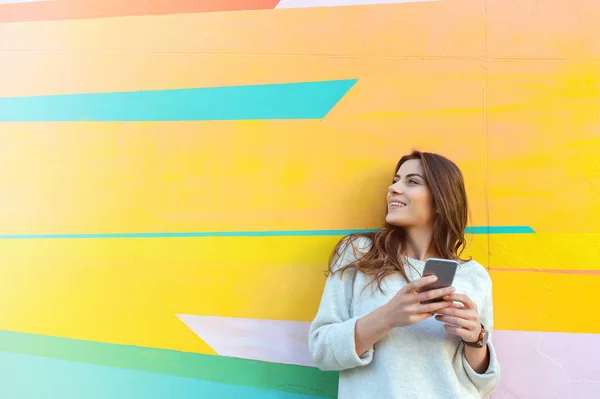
[{"x": 397, "y": 222}]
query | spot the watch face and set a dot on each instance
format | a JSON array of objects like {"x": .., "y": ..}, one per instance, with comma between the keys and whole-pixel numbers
[{"x": 485, "y": 338}]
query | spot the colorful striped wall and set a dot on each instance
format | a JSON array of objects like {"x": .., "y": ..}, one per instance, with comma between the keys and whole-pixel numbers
[{"x": 175, "y": 174}]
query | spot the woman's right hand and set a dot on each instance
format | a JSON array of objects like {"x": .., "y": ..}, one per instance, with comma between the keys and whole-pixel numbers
[{"x": 405, "y": 308}]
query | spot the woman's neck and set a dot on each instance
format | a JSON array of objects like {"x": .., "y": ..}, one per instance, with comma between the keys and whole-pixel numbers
[{"x": 419, "y": 244}]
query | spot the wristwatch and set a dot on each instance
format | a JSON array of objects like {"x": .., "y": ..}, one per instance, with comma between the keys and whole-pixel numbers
[{"x": 481, "y": 341}]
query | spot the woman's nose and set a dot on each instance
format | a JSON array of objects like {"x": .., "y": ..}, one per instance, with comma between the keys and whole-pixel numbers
[{"x": 394, "y": 188}]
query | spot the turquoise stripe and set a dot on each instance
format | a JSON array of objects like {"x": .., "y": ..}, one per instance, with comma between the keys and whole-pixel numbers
[
  {"x": 290, "y": 233},
  {"x": 499, "y": 230},
  {"x": 304, "y": 100},
  {"x": 26, "y": 376},
  {"x": 281, "y": 233},
  {"x": 264, "y": 376}
]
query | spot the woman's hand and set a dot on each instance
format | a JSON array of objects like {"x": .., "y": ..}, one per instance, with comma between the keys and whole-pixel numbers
[
  {"x": 405, "y": 307},
  {"x": 461, "y": 318}
]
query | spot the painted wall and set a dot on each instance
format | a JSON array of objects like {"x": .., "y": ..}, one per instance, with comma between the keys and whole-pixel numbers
[{"x": 175, "y": 174}]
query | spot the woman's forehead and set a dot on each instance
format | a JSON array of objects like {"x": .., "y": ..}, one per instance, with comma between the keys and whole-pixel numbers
[{"x": 410, "y": 166}]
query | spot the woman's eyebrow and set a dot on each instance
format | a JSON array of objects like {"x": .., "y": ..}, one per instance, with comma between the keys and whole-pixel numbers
[{"x": 410, "y": 175}]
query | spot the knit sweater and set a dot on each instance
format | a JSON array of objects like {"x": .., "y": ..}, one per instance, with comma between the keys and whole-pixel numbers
[{"x": 421, "y": 361}]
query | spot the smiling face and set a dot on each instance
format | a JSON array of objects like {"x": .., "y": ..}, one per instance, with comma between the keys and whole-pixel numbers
[{"x": 409, "y": 199}]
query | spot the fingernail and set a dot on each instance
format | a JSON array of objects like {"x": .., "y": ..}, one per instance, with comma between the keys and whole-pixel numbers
[{"x": 446, "y": 296}]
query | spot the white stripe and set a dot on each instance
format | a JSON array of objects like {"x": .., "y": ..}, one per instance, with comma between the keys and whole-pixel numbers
[
  {"x": 336, "y": 3},
  {"x": 278, "y": 341}
]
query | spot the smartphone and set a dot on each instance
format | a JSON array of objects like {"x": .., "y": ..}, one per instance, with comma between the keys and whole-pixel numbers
[{"x": 444, "y": 269}]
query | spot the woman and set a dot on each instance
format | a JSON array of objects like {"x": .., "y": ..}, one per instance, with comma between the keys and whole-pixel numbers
[{"x": 371, "y": 324}]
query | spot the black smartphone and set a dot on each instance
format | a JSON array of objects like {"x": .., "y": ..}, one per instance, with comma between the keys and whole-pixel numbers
[{"x": 444, "y": 269}]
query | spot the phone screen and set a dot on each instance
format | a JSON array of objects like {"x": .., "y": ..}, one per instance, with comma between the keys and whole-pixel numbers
[{"x": 444, "y": 269}]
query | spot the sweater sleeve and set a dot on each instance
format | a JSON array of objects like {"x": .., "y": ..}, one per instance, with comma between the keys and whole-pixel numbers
[
  {"x": 485, "y": 382},
  {"x": 331, "y": 336}
]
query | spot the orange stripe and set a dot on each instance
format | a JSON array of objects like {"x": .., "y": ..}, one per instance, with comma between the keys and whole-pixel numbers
[
  {"x": 552, "y": 271},
  {"x": 79, "y": 9}
]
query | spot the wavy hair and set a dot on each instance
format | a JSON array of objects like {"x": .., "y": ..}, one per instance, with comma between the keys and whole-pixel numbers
[{"x": 386, "y": 255}]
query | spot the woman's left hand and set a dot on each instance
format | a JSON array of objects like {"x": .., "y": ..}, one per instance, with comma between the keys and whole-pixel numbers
[{"x": 462, "y": 320}]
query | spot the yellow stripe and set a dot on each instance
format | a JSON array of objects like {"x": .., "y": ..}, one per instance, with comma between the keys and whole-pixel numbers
[
  {"x": 265, "y": 32},
  {"x": 90, "y": 72},
  {"x": 546, "y": 302},
  {"x": 207, "y": 176},
  {"x": 543, "y": 143},
  {"x": 100, "y": 72},
  {"x": 128, "y": 291},
  {"x": 69, "y": 288},
  {"x": 545, "y": 251}
]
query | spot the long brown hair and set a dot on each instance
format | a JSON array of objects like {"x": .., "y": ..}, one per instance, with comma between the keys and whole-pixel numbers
[{"x": 386, "y": 255}]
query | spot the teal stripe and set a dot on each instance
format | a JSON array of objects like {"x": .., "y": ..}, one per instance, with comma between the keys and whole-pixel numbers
[
  {"x": 304, "y": 100},
  {"x": 219, "y": 369},
  {"x": 274, "y": 233},
  {"x": 499, "y": 230},
  {"x": 29, "y": 377},
  {"x": 289, "y": 233}
]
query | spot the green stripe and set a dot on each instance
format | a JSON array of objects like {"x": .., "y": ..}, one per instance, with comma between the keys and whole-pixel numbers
[{"x": 242, "y": 372}]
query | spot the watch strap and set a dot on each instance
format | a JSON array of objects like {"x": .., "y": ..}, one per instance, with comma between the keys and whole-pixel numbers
[{"x": 481, "y": 340}]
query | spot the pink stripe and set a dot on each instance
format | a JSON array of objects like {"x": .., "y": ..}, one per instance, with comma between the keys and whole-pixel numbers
[
  {"x": 547, "y": 365},
  {"x": 533, "y": 364},
  {"x": 552, "y": 271}
]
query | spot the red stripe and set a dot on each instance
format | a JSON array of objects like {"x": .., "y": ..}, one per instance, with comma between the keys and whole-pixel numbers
[
  {"x": 552, "y": 271},
  {"x": 79, "y": 9}
]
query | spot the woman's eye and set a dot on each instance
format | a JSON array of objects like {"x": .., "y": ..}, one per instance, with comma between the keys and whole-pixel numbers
[{"x": 412, "y": 181}]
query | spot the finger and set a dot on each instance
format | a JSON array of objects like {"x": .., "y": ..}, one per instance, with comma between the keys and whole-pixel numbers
[
  {"x": 418, "y": 283},
  {"x": 465, "y": 300},
  {"x": 435, "y": 307},
  {"x": 432, "y": 294},
  {"x": 420, "y": 317},
  {"x": 459, "y": 313},
  {"x": 455, "y": 321},
  {"x": 461, "y": 332}
]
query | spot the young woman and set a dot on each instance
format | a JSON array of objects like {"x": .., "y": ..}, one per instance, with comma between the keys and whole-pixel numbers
[{"x": 371, "y": 324}]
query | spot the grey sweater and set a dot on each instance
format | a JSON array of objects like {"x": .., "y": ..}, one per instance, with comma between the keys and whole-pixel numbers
[{"x": 420, "y": 361}]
